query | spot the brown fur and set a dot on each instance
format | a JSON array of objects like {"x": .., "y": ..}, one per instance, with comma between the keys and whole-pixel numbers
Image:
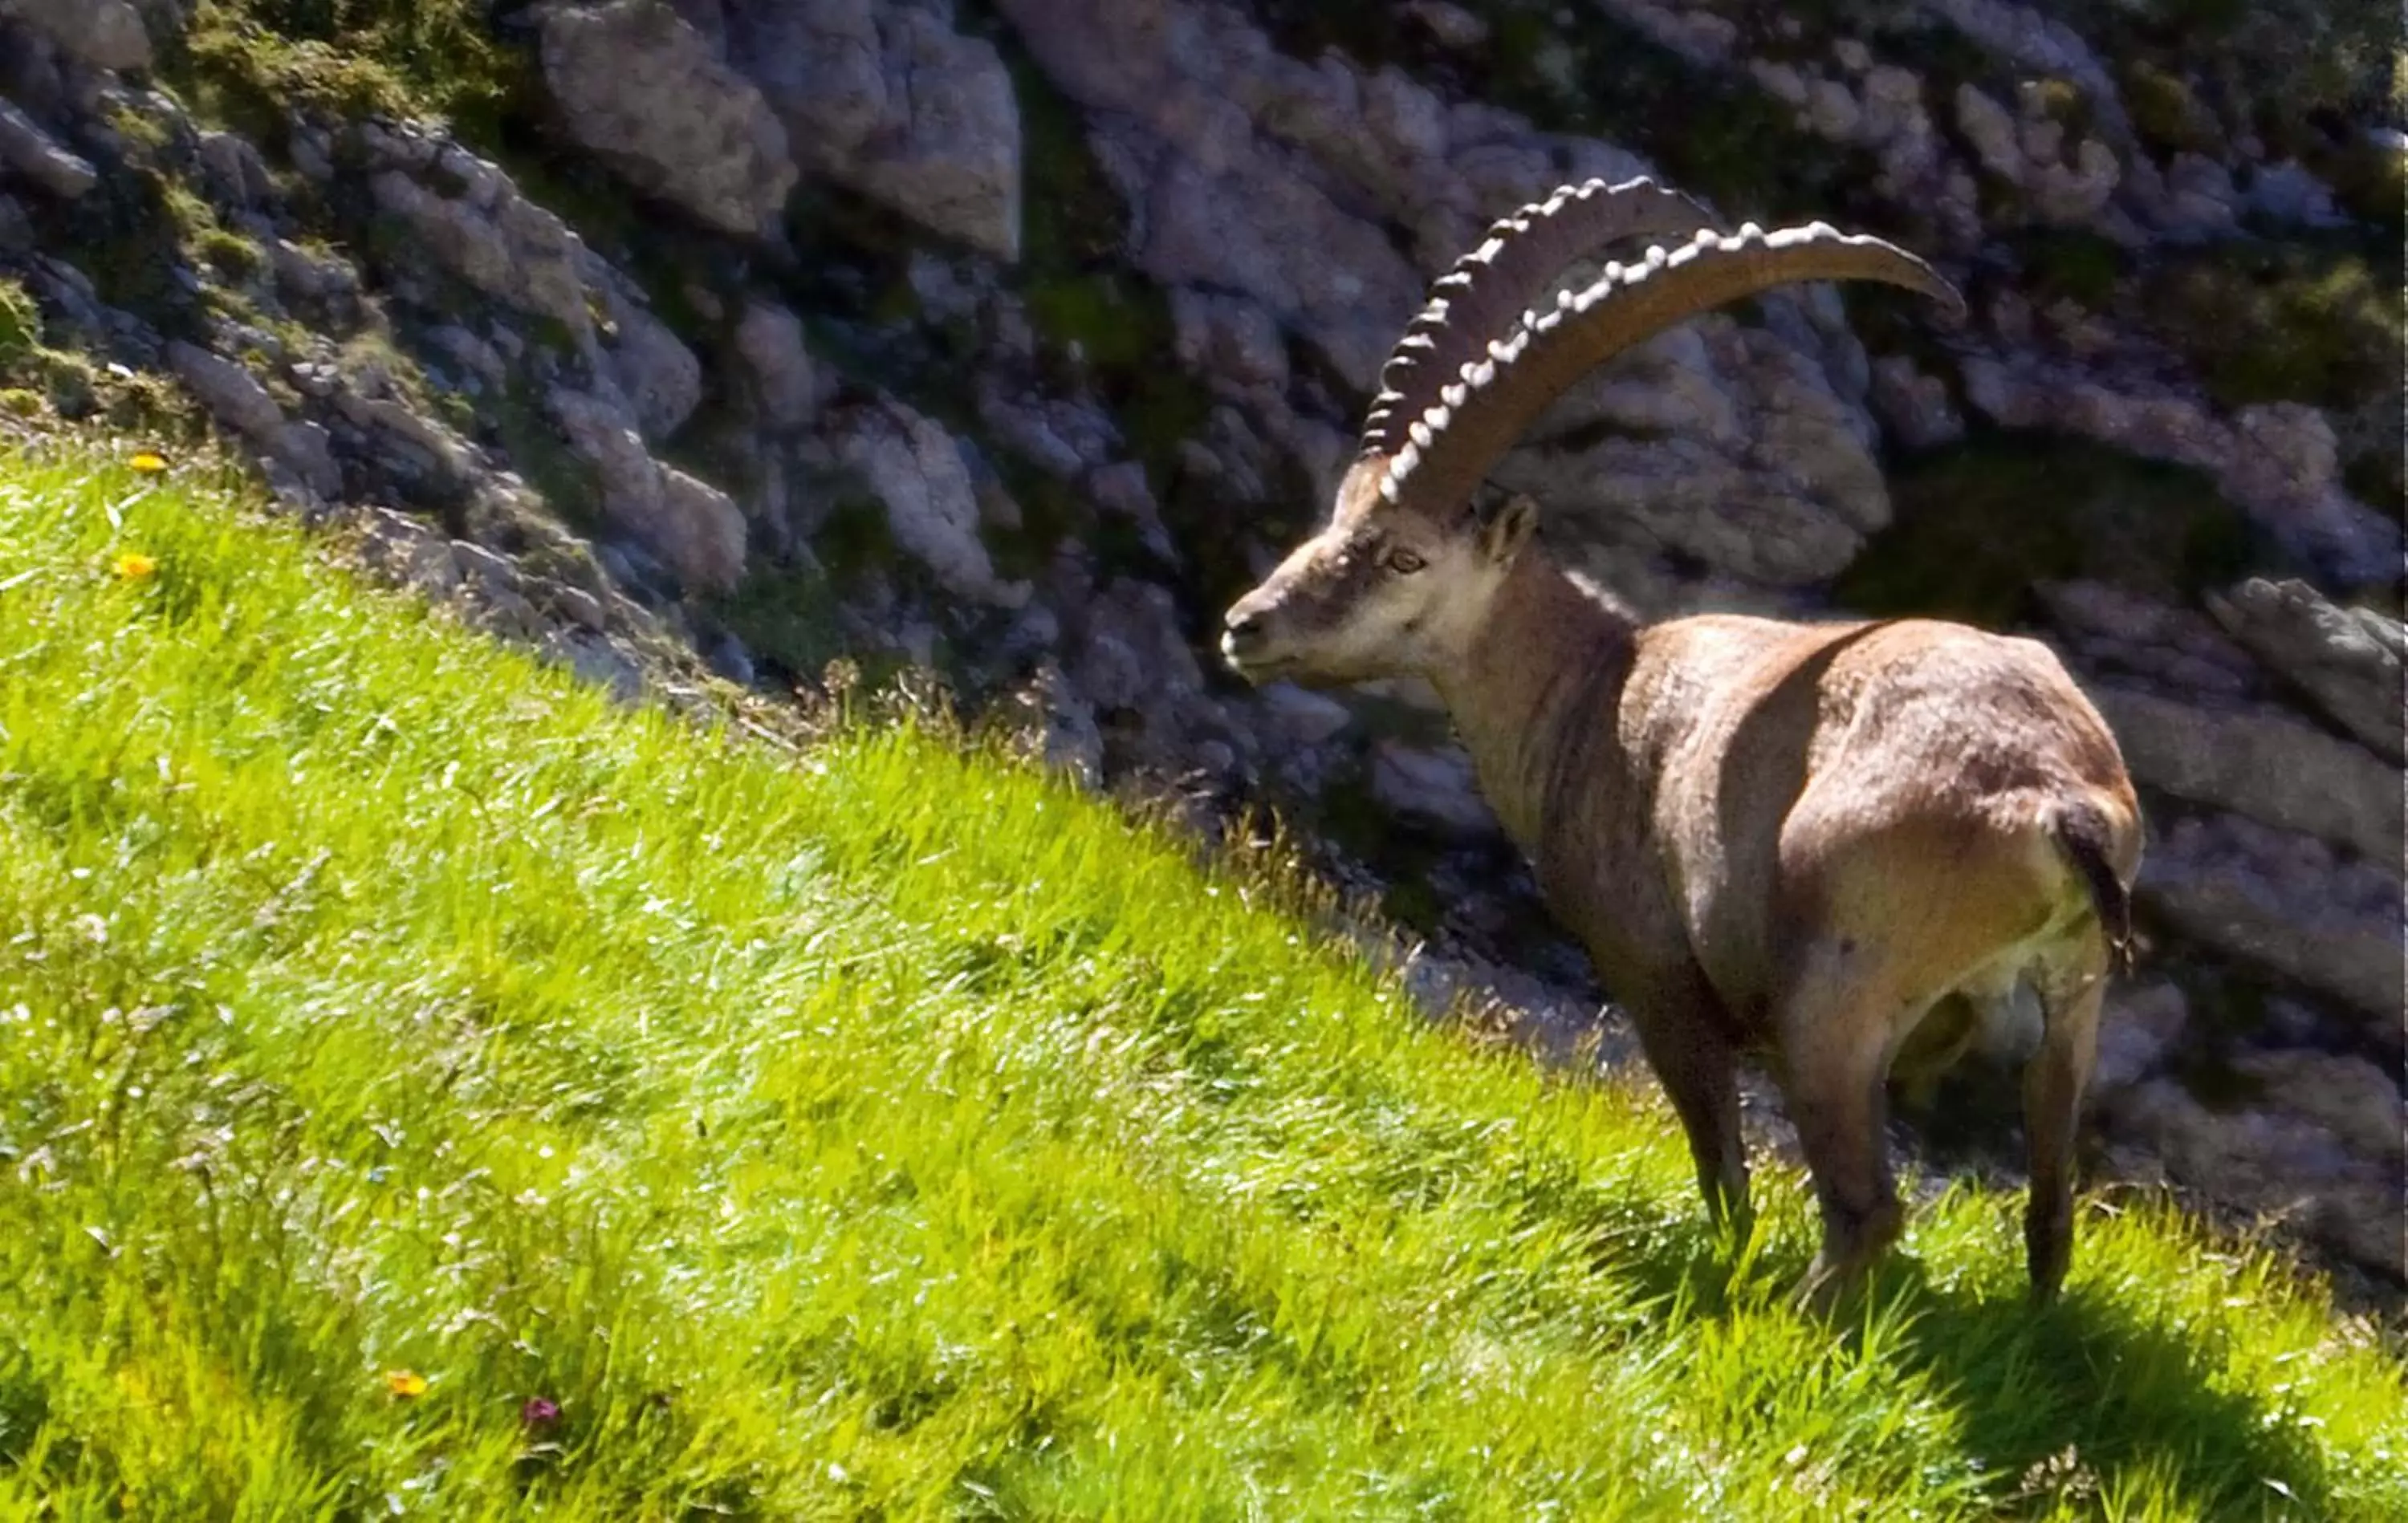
[{"x": 1789, "y": 839}]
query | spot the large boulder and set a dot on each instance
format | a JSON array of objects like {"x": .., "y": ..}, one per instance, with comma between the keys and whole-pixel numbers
[{"x": 642, "y": 91}]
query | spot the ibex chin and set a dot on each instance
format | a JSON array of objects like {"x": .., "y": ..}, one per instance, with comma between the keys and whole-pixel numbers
[{"x": 1846, "y": 847}]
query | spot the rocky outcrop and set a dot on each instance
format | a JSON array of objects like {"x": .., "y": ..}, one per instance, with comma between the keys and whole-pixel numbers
[{"x": 643, "y": 92}]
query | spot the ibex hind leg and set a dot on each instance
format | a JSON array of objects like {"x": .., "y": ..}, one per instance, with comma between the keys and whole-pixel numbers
[
  {"x": 1684, "y": 1034},
  {"x": 2055, "y": 1081},
  {"x": 1836, "y": 1026}
]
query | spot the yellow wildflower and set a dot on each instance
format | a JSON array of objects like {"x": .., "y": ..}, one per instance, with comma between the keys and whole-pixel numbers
[
  {"x": 149, "y": 462},
  {"x": 405, "y": 1383},
  {"x": 134, "y": 566}
]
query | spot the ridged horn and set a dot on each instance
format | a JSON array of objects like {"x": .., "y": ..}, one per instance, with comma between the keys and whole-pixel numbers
[
  {"x": 1490, "y": 401},
  {"x": 1485, "y": 295}
]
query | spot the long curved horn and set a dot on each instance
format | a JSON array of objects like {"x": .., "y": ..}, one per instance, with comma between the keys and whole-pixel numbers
[
  {"x": 1490, "y": 401},
  {"x": 1483, "y": 296}
]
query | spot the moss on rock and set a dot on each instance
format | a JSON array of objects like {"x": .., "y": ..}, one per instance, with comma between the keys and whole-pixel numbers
[
  {"x": 1975, "y": 525},
  {"x": 2272, "y": 322}
]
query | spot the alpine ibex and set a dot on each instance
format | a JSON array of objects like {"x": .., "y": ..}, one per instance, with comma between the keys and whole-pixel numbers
[{"x": 1846, "y": 846}]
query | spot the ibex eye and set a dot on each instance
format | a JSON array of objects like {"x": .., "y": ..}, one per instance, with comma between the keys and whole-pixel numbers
[{"x": 1404, "y": 562}]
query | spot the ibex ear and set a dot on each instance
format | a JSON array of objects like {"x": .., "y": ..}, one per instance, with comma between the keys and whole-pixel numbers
[{"x": 1509, "y": 529}]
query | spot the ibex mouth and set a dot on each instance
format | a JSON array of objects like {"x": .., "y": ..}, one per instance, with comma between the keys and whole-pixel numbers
[{"x": 1245, "y": 655}]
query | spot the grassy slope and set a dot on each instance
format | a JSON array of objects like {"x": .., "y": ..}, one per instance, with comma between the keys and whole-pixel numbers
[{"x": 892, "y": 1131}]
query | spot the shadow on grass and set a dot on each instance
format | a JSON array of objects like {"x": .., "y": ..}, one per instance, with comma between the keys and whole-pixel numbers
[
  {"x": 2081, "y": 1376},
  {"x": 2062, "y": 1402}
]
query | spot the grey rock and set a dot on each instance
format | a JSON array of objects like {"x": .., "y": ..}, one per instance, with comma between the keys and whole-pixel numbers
[
  {"x": 695, "y": 528},
  {"x": 1740, "y": 455},
  {"x": 2349, "y": 661},
  {"x": 1914, "y": 404},
  {"x": 2348, "y": 1096},
  {"x": 1220, "y": 200},
  {"x": 2135, "y": 641},
  {"x": 1275, "y": 236},
  {"x": 232, "y": 394},
  {"x": 661, "y": 377},
  {"x": 408, "y": 552},
  {"x": 894, "y": 103},
  {"x": 1303, "y": 716},
  {"x": 1229, "y": 339},
  {"x": 16, "y": 228},
  {"x": 1062, "y": 437},
  {"x": 645, "y": 93},
  {"x": 491, "y": 237},
  {"x": 472, "y": 355},
  {"x": 701, "y": 533},
  {"x": 1064, "y": 725},
  {"x": 2271, "y": 1162},
  {"x": 915, "y": 468},
  {"x": 2273, "y": 770},
  {"x": 2288, "y": 193},
  {"x": 103, "y": 34},
  {"x": 2139, "y": 1027},
  {"x": 1129, "y": 654},
  {"x": 1122, "y": 489},
  {"x": 1434, "y": 787},
  {"x": 2041, "y": 46},
  {"x": 1991, "y": 129},
  {"x": 1450, "y": 24},
  {"x": 769, "y": 339},
  {"x": 236, "y": 170},
  {"x": 597, "y": 661},
  {"x": 34, "y": 155},
  {"x": 2286, "y": 902},
  {"x": 410, "y": 442},
  {"x": 307, "y": 449}
]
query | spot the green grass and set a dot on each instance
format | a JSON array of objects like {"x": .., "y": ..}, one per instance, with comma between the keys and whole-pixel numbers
[{"x": 882, "y": 1129}]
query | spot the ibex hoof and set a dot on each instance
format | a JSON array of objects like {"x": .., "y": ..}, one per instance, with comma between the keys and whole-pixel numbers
[{"x": 1823, "y": 1290}]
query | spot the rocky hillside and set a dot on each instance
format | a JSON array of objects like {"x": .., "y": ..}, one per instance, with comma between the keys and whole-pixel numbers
[{"x": 1012, "y": 337}]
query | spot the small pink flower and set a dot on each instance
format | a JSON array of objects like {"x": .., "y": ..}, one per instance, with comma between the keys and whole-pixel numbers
[{"x": 539, "y": 1412}]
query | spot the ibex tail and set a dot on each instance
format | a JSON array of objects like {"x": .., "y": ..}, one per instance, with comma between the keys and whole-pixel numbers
[{"x": 2083, "y": 832}]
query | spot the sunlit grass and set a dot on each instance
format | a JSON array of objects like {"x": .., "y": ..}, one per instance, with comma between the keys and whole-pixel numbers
[{"x": 425, "y": 1087}]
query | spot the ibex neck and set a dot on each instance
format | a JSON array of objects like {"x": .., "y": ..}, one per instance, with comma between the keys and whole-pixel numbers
[{"x": 1551, "y": 655}]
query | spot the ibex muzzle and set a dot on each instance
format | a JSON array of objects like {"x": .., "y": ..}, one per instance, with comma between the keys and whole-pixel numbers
[{"x": 1794, "y": 839}]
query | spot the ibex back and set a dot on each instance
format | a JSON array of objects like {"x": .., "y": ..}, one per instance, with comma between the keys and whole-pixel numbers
[{"x": 1848, "y": 847}]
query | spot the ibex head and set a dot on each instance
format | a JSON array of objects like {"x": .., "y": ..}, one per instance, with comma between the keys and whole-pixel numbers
[{"x": 1404, "y": 572}]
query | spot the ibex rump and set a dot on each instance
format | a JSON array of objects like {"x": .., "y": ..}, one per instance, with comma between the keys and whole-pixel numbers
[{"x": 1799, "y": 839}]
